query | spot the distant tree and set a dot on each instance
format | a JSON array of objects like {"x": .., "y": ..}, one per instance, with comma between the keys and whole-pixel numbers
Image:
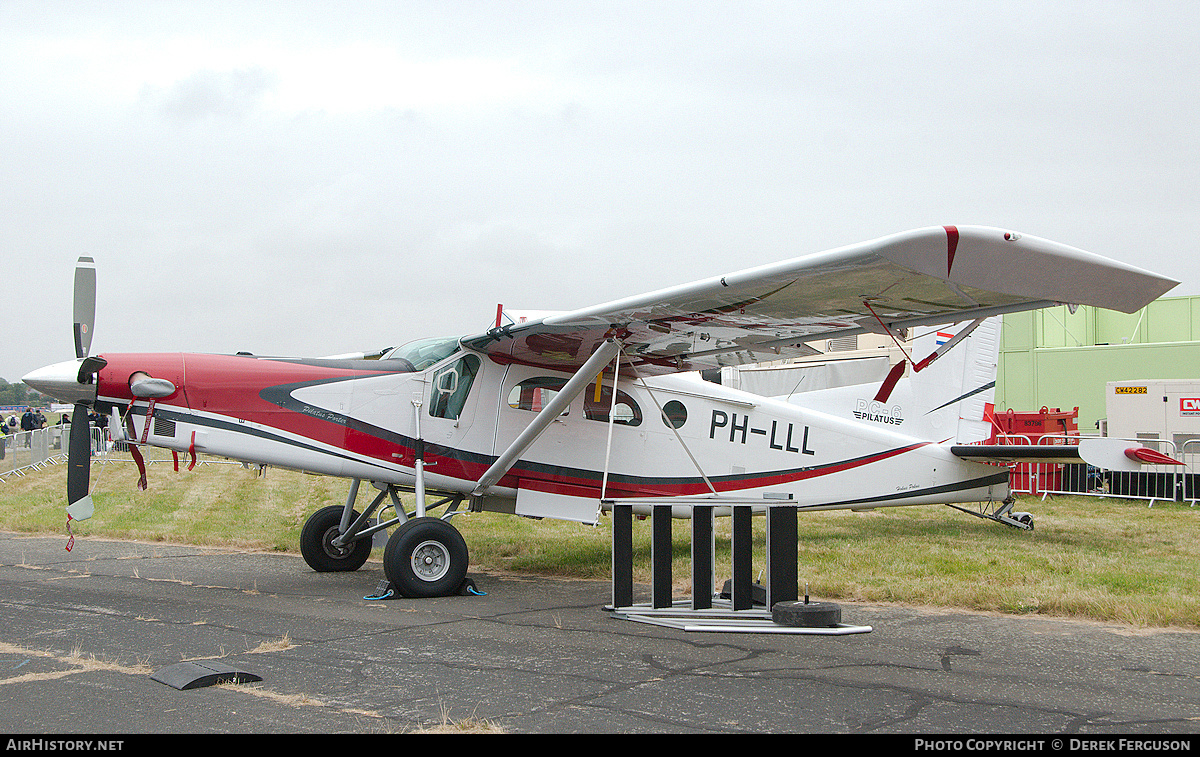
[{"x": 19, "y": 394}]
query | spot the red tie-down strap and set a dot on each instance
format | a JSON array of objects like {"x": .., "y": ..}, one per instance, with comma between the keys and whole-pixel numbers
[
  {"x": 889, "y": 383},
  {"x": 146, "y": 428},
  {"x": 133, "y": 448},
  {"x": 70, "y": 536},
  {"x": 885, "y": 389},
  {"x": 191, "y": 454}
]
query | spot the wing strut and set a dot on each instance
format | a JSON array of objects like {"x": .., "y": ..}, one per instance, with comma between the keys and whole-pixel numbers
[
  {"x": 885, "y": 390},
  {"x": 612, "y": 418},
  {"x": 662, "y": 414},
  {"x": 419, "y": 463},
  {"x": 584, "y": 376}
]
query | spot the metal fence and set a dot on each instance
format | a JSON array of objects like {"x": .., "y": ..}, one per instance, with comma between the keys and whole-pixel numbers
[
  {"x": 1153, "y": 483},
  {"x": 27, "y": 451},
  {"x": 1023, "y": 477},
  {"x": 1189, "y": 454}
]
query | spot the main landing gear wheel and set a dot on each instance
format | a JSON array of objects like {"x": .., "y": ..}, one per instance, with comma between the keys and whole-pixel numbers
[
  {"x": 316, "y": 543},
  {"x": 426, "y": 557}
]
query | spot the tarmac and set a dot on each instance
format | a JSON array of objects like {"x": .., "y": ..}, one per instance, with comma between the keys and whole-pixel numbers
[{"x": 87, "y": 635}]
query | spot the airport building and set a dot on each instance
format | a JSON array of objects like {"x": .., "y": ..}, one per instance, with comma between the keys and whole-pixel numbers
[{"x": 1058, "y": 358}]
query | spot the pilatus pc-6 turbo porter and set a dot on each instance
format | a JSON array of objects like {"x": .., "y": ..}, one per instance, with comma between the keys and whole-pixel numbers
[{"x": 565, "y": 415}]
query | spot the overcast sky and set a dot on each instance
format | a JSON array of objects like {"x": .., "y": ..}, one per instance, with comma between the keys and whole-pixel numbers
[{"x": 312, "y": 178}]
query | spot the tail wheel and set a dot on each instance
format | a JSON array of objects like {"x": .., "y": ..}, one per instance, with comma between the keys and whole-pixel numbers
[
  {"x": 426, "y": 557},
  {"x": 316, "y": 543}
]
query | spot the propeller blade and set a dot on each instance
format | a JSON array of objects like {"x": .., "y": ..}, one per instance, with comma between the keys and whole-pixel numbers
[
  {"x": 85, "y": 305},
  {"x": 79, "y": 461}
]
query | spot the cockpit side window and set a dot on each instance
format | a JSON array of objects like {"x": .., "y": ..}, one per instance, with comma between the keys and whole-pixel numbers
[
  {"x": 450, "y": 387},
  {"x": 425, "y": 353}
]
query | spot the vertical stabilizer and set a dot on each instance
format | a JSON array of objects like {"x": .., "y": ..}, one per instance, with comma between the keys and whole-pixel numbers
[{"x": 945, "y": 401}]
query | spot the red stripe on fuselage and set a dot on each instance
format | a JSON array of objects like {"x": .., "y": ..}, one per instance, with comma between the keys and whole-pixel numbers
[
  {"x": 568, "y": 481},
  {"x": 232, "y": 385}
]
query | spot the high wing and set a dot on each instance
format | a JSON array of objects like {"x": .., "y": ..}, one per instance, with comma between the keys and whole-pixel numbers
[{"x": 929, "y": 276}]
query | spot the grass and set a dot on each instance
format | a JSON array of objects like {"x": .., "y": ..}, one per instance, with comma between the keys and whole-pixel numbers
[{"x": 1101, "y": 559}]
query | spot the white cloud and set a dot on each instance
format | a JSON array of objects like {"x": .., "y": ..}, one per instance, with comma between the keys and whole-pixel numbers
[{"x": 338, "y": 79}]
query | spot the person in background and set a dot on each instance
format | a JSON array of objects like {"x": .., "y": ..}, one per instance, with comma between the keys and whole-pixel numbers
[{"x": 28, "y": 423}]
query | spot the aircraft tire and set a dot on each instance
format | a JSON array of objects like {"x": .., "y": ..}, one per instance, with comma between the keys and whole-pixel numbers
[
  {"x": 806, "y": 614},
  {"x": 320, "y": 554},
  {"x": 426, "y": 557}
]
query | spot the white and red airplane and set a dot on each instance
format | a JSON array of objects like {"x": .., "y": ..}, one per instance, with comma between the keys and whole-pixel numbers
[{"x": 563, "y": 415}]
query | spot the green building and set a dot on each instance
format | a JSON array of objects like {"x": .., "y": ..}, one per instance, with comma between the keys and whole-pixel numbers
[{"x": 1058, "y": 359}]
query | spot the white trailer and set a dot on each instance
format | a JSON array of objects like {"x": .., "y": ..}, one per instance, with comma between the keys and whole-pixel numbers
[{"x": 1163, "y": 409}]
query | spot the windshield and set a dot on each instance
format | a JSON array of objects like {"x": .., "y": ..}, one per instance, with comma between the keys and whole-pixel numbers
[{"x": 425, "y": 352}]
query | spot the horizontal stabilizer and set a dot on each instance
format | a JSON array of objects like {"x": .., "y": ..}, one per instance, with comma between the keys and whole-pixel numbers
[{"x": 1104, "y": 453}]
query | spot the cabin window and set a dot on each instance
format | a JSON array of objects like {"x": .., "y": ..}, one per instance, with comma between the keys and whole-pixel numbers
[
  {"x": 626, "y": 412},
  {"x": 535, "y": 393},
  {"x": 451, "y": 386},
  {"x": 674, "y": 414}
]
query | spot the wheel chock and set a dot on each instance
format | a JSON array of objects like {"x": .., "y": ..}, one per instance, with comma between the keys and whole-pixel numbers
[
  {"x": 201, "y": 673},
  {"x": 805, "y": 614},
  {"x": 383, "y": 590},
  {"x": 469, "y": 589}
]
